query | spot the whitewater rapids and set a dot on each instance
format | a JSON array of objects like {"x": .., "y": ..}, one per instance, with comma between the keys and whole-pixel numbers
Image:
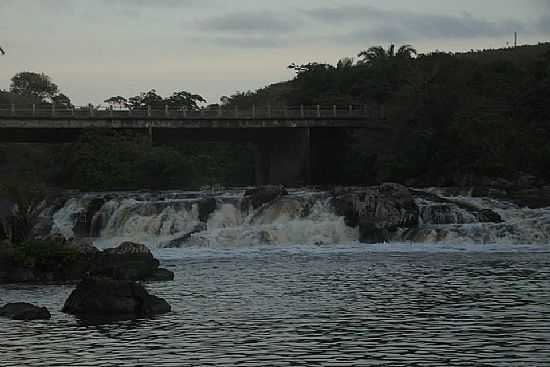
[{"x": 304, "y": 217}]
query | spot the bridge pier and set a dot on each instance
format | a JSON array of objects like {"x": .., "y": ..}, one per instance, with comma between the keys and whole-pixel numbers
[{"x": 284, "y": 157}]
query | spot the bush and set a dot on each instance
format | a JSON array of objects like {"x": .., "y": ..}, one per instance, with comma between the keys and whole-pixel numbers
[{"x": 44, "y": 256}]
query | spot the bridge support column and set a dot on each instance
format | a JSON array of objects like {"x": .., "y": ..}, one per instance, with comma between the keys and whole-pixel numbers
[{"x": 283, "y": 157}]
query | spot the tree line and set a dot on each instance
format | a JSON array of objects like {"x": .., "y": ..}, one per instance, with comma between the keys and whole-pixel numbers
[{"x": 456, "y": 117}]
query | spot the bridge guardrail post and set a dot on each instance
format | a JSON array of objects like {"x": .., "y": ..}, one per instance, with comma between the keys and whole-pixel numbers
[
  {"x": 111, "y": 112},
  {"x": 73, "y": 113},
  {"x": 334, "y": 112},
  {"x": 302, "y": 111},
  {"x": 148, "y": 110},
  {"x": 33, "y": 110},
  {"x": 12, "y": 109},
  {"x": 253, "y": 111},
  {"x": 220, "y": 111},
  {"x": 53, "y": 109},
  {"x": 350, "y": 110},
  {"x": 318, "y": 111},
  {"x": 91, "y": 108},
  {"x": 166, "y": 111}
]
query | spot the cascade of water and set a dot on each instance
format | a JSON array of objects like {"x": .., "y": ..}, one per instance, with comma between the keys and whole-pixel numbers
[{"x": 180, "y": 219}]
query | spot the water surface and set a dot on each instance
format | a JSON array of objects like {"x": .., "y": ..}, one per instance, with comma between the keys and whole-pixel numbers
[{"x": 347, "y": 305}]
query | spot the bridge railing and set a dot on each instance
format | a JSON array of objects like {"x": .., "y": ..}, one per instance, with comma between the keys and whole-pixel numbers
[{"x": 48, "y": 111}]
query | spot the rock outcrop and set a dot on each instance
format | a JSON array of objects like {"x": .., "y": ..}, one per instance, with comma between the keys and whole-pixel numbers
[
  {"x": 259, "y": 196},
  {"x": 129, "y": 261},
  {"x": 438, "y": 210},
  {"x": 113, "y": 298},
  {"x": 378, "y": 211},
  {"x": 24, "y": 311},
  {"x": 67, "y": 261}
]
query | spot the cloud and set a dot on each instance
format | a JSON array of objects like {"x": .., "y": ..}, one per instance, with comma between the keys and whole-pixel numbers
[
  {"x": 400, "y": 25},
  {"x": 147, "y": 3},
  {"x": 245, "y": 22},
  {"x": 250, "y": 41}
]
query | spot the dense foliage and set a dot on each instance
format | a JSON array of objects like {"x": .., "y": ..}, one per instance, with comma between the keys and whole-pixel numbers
[
  {"x": 39, "y": 255},
  {"x": 116, "y": 161},
  {"x": 455, "y": 116}
]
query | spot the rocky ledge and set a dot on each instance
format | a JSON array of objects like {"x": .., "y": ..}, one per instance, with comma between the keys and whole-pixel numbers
[
  {"x": 57, "y": 260},
  {"x": 378, "y": 211},
  {"x": 381, "y": 212},
  {"x": 97, "y": 297},
  {"x": 24, "y": 311}
]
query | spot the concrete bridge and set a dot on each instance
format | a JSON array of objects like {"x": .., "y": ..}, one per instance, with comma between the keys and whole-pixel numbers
[{"x": 283, "y": 136}]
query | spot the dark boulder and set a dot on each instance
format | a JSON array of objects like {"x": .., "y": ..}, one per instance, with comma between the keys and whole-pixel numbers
[
  {"x": 206, "y": 207},
  {"x": 129, "y": 261},
  {"x": 24, "y": 311},
  {"x": 489, "y": 216},
  {"x": 107, "y": 297},
  {"x": 83, "y": 246},
  {"x": 259, "y": 196},
  {"x": 379, "y": 211},
  {"x": 161, "y": 275}
]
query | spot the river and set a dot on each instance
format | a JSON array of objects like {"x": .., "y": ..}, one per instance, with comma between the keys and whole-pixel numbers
[{"x": 287, "y": 289}]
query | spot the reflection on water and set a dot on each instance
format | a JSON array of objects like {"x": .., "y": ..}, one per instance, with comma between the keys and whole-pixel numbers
[{"x": 347, "y": 306}]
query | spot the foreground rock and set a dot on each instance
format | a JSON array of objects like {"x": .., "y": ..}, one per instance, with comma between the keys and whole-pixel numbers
[
  {"x": 378, "y": 211},
  {"x": 57, "y": 260},
  {"x": 106, "y": 297},
  {"x": 129, "y": 261},
  {"x": 24, "y": 311}
]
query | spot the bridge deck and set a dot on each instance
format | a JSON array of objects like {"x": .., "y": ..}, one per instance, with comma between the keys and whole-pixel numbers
[{"x": 173, "y": 123}]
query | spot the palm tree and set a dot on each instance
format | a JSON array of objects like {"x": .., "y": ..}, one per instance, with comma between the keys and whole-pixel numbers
[{"x": 378, "y": 53}]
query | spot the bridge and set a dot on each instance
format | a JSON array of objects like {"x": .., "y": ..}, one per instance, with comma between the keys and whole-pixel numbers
[{"x": 283, "y": 135}]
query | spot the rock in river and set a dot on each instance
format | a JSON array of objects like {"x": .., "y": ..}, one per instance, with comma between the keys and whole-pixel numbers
[
  {"x": 114, "y": 298},
  {"x": 130, "y": 261},
  {"x": 24, "y": 311}
]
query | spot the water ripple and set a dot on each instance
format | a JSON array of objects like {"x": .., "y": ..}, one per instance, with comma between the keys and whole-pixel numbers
[{"x": 311, "y": 307}]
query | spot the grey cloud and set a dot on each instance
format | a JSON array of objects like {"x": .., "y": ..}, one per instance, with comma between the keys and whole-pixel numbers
[
  {"x": 262, "y": 22},
  {"x": 407, "y": 25},
  {"x": 147, "y": 3},
  {"x": 257, "y": 42}
]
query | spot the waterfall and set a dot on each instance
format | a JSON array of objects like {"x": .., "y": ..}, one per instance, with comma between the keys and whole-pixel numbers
[
  {"x": 457, "y": 219},
  {"x": 219, "y": 219}
]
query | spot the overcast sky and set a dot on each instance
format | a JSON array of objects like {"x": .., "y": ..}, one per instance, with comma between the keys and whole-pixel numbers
[{"x": 94, "y": 49}]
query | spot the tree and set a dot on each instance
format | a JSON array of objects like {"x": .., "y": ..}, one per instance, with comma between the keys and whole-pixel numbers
[
  {"x": 378, "y": 53},
  {"x": 29, "y": 199},
  {"x": 145, "y": 99},
  {"x": 35, "y": 85},
  {"x": 62, "y": 100},
  {"x": 186, "y": 100},
  {"x": 117, "y": 101},
  {"x": 345, "y": 63}
]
